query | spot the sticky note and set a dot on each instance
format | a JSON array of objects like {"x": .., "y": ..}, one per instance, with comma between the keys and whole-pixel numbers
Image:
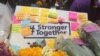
[
  {"x": 15, "y": 48},
  {"x": 82, "y": 17},
  {"x": 50, "y": 42},
  {"x": 26, "y": 31},
  {"x": 90, "y": 28},
  {"x": 20, "y": 16},
  {"x": 33, "y": 18},
  {"x": 52, "y": 13},
  {"x": 16, "y": 28},
  {"x": 44, "y": 12},
  {"x": 72, "y": 16},
  {"x": 43, "y": 20},
  {"x": 15, "y": 21},
  {"x": 25, "y": 23},
  {"x": 52, "y": 20},
  {"x": 25, "y": 10},
  {"x": 34, "y": 11},
  {"x": 74, "y": 26},
  {"x": 74, "y": 34}
]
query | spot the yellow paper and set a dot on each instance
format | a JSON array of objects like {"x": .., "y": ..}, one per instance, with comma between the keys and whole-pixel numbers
[
  {"x": 50, "y": 43},
  {"x": 20, "y": 16},
  {"x": 82, "y": 17},
  {"x": 33, "y": 18},
  {"x": 16, "y": 28},
  {"x": 26, "y": 31},
  {"x": 74, "y": 34},
  {"x": 25, "y": 10},
  {"x": 43, "y": 20},
  {"x": 44, "y": 12},
  {"x": 34, "y": 11},
  {"x": 53, "y": 20}
]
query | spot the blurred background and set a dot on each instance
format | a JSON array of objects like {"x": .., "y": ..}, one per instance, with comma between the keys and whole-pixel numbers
[{"x": 92, "y": 7}]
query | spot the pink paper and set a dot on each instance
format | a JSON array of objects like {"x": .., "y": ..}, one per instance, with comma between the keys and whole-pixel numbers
[
  {"x": 90, "y": 28},
  {"x": 74, "y": 26},
  {"x": 14, "y": 20},
  {"x": 72, "y": 16}
]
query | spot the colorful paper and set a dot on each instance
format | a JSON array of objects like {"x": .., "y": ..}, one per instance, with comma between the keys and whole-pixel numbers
[
  {"x": 50, "y": 43},
  {"x": 25, "y": 10},
  {"x": 72, "y": 16},
  {"x": 44, "y": 12},
  {"x": 43, "y": 20},
  {"x": 34, "y": 11},
  {"x": 15, "y": 48},
  {"x": 16, "y": 28},
  {"x": 74, "y": 34},
  {"x": 52, "y": 13},
  {"x": 20, "y": 16},
  {"x": 26, "y": 31},
  {"x": 74, "y": 26},
  {"x": 25, "y": 23},
  {"x": 14, "y": 20},
  {"x": 82, "y": 17}
]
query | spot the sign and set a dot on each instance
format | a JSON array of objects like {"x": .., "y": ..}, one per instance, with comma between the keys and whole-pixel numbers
[
  {"x": 49, "y": 30},
  {"x": 32, "y": 24}
]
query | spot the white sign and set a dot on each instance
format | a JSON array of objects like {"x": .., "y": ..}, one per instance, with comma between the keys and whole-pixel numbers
[{"x": 49, "y": 30}]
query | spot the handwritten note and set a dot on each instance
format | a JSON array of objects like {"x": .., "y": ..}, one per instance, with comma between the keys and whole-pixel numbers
[
  {"x": 74, "y": 26},
  {"x": 72, "y": 16}
]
